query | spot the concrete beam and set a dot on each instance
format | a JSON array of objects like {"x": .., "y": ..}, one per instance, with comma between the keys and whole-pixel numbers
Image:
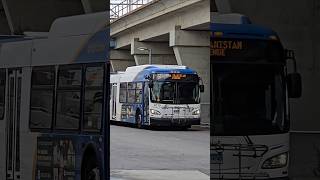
[
  {"x": 156, "y": 59},
  {"x": 157, "y": 47},
  {"x": 180, "y": 37},
  {"x": 121, "y": 59},
  {"x": 161, "y": 52},
  {"x": 159, "y": 18}
]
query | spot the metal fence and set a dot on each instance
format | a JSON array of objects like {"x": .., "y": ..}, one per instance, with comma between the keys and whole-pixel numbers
[{"x": 118, "y": 10}]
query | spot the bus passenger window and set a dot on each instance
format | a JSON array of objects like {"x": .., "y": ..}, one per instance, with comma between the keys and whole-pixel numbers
[
  {"x": 42, "y": 90},
  {"x": 68, "y": 97},
  {"x": 2, "y": 92},
  {"x": 139, "y": 93},
  {"x": 123, "y": 93},
  {"x": 131, "y": 95},
  {"x": 93, "y": 98},
  {"x": 131, "y": 85}
]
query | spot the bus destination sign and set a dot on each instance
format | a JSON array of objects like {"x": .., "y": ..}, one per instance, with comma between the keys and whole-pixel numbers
[
  {"x": 219, "y": 48},
  {"x": 173, "y": 76}
]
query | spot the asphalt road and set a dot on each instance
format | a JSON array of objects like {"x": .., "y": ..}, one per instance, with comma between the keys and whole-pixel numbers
[{"x": 142, "y": 149}]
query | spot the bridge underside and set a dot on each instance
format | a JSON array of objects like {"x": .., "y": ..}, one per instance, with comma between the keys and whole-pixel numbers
[{"x": 17, "y": 16}]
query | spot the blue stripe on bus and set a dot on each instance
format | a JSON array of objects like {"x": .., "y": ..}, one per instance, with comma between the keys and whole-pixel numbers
[
  {"x": 96, "y": 49},
  {"x": 150, "y": 70}
]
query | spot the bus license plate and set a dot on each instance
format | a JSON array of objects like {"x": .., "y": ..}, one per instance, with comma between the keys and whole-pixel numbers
[{"x": 216, "y": 158}]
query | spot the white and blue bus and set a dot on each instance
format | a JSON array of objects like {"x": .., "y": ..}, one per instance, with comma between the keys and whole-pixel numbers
[
  {"x": 156, "y": 95},
  {"x": 252, "y": 79},
  {"x": 54, "y": 115}
]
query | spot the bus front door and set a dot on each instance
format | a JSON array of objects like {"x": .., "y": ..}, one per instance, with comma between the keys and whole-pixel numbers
[
  {"x": 114, "y": 101},
  {"x": 13, "y": 124}
]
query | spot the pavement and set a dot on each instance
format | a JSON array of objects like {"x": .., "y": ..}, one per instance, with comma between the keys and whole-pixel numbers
[
  {"x": 158, "y": 175},
  {"x": 160, "y": 154}
]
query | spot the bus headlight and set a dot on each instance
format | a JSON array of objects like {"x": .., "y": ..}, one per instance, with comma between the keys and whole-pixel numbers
[
  {"x": 196, "y": 112},
  {"x": 277, "y": 161},
  {"x": 155, "y": 112}
]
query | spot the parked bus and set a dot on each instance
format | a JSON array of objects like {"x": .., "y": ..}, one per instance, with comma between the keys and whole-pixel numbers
[
  {"x": 53, "y": 94},
  {"x": 156, "y": 95},
  {"x": 252, "y": 77}
]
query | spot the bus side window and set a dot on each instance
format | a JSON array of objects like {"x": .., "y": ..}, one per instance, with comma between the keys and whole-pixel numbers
[
  {"x": 131, "y": 92},
  {"x": 123, "y": 93},
  {"x": 93, "y": 98},
  {"x": 139, "y": 93},
  {"x": 2, "y": 92},
  {"x": 68, "y": 97},
  {"x": 42, "y": 92}
]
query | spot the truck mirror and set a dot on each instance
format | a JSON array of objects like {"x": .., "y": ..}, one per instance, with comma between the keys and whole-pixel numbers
[
  {"x": 294, "y": 85},
  {"x": 201, "y": 87}
]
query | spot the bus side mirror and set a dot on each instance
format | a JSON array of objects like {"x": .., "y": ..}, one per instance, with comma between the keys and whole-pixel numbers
[
  {"x": 201, "y": 87},
  {"x": 294, "y": 85}
]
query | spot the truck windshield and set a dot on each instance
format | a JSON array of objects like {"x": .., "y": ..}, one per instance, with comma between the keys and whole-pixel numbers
[
  {"x": 170, "y": 92},
  {"x": 248, "y": 99}
]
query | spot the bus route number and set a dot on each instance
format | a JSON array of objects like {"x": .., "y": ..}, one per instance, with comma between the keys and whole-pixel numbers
[{"x": 178, "y": 76}]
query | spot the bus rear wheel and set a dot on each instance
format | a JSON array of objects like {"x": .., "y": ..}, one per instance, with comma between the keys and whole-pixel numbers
[{"x": 90, "y": 170}]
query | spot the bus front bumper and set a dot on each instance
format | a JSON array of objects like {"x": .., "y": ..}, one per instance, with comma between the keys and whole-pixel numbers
[{"x": 173, "y": 122}]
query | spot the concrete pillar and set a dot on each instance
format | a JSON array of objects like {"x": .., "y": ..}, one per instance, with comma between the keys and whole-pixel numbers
[
  {"x": 161, "y": 52},
  {"x": 120, "y": 60},
  {"x": 191, "y": 48}
]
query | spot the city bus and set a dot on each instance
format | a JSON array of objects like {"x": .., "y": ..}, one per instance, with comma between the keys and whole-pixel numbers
[
  {"x": 53, "y": 94},
  {"x": 252, "y": 79},
  {"x": 156, "y": 95}
]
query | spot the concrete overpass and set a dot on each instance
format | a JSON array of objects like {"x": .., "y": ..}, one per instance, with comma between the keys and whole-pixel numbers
[
  {"x": 17, "y": 16},
  {"x": 298, "y": 25},
  {"x": 177, "y": 31}
]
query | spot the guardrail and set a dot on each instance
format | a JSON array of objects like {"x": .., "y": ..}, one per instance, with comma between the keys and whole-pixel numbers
[{"x": 118, "y": 10}]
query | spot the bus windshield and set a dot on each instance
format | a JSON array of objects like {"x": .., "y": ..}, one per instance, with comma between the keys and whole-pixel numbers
[
  {"x": 249, "y": 99},
  {"x": 170, "y": 92}
]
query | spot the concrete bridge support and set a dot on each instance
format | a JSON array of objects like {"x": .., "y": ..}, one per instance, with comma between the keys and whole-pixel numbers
[
  {"x": 161, "y": 52},
  {"x": 120, "y": 60},
  {"x": 191, "y": 48}
]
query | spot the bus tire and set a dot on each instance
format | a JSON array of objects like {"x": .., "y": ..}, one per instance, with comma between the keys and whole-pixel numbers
[
  {"x": 138, "y": 119},
  {"x": 90, "y": 170}
]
